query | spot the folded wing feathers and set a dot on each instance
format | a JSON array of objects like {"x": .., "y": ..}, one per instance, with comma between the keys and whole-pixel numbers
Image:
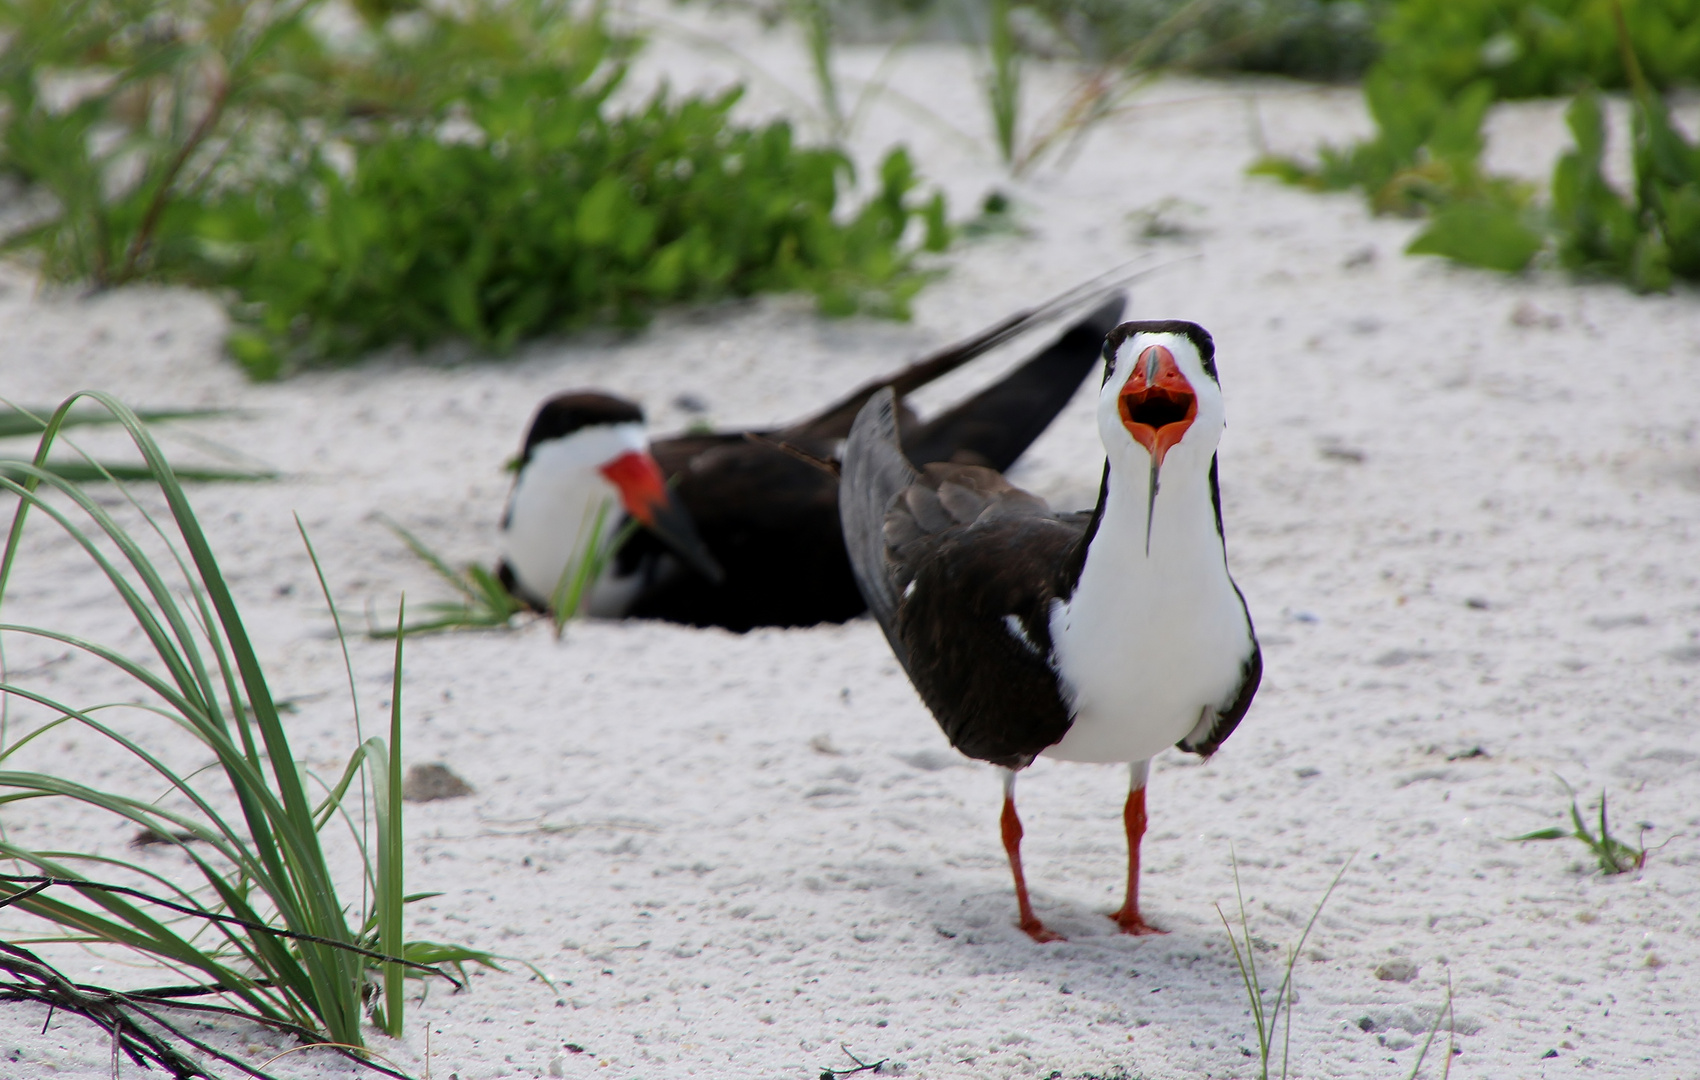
[{"x": 875, "y": 473}]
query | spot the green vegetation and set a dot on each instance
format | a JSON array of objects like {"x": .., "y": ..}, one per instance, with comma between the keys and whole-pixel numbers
[
  {"x": 486, "y": 604},
  {"x": 1122, "y": 45},
  {"x": 1425, "y": 160},
  {"x": 1533, "y": 48},
  {"x": 1614, "y": 856},
  {"x": 17, "y": 421},
  {"x": 1267, "y": 1015},
  {"x": 266, "y": 927},
  {"x": 436, "y": 175}
]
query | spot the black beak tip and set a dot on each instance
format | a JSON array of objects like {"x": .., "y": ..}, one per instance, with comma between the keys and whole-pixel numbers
[
  {"x": 674, "y": 526},
  {"x": 707, "y": 567}
]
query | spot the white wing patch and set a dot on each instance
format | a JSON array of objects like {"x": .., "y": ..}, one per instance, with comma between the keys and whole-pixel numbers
[{"x": 1019, "y": 633}]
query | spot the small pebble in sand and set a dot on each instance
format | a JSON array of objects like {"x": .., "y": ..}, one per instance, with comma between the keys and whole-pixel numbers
[
  {"x": 1398, "y": 969},
  {"x": 427, "y": 783},
  {"x": 1529, "y": 316},
  {"x": 1397, "y": 1040}
]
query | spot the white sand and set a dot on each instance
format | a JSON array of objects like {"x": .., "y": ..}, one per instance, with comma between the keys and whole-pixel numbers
[{"x": 740, "y": 853}]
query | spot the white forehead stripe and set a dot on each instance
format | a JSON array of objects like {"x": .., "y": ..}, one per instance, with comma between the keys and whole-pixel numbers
[{"x": 590, "y": 447}]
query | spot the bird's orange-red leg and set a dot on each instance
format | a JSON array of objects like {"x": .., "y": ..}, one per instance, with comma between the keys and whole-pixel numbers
[
  {"x": 1133, "y": 817},
  {"x": 1012, "y": 844}
]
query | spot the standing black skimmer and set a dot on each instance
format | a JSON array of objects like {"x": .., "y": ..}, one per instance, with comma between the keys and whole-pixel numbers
[
  {"x": 1101, "y": 636},
  {"x": 766, "y": 548}
]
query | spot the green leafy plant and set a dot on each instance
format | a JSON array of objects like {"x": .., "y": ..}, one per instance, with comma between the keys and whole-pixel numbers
[
  {"x": 266, "y": 929},
  {"x": 1268, "y": 1015},
  {"x": 1424, "y": 155},
  {"x": 468, "y": 178},
  {"x": 1531, "y": 48},
  {"x": 125, "y": 110},
  {"x": 1424, "y": 158},
  {"x": 1613, "y": 856}
]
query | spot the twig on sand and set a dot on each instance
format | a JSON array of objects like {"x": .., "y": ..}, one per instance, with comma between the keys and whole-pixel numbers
[
  {"x": 135, "y": 1021},
  {"x": 861, "y": 1066}
]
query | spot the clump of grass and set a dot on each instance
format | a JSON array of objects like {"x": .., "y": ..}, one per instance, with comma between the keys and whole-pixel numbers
[
  {"x": 485, "y": 603},
  {"x": 266, "y": 926},
  {"x": 1268, "y": 1016},
  {"x": 1613, "y": 856}
]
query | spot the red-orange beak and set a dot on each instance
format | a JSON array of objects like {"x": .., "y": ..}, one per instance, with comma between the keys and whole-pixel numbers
[
  {"x": 1157, "y": 404},
  {"x": 644, "y": 491}
]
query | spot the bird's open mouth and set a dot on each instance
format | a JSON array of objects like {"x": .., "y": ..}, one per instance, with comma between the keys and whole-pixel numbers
[
  {"x": 1156, "y": 408},
  {"x": 1157, "y": 403}
]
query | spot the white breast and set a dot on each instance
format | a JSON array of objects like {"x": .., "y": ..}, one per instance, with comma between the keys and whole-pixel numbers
[{"x": 1148, "y": 642}]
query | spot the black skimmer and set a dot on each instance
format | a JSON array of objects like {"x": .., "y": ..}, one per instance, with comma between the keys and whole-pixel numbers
[
  {"x": 1102, "y": 636},
  {"x": 766, "y": 548}
]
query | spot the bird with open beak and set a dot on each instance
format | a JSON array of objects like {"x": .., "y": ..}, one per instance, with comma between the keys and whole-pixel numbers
[{"x": 1096, "y": 637}]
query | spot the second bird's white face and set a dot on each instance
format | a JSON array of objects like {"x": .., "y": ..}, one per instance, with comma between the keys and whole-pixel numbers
[
  {"x": 1158, "y": 401},
  {"x": 557, "y": 494}
]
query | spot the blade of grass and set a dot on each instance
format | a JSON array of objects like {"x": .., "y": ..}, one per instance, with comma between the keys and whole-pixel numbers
[
  {"x": 17, "y": 420},
  {"x": 592, "y": 552},
  {"x": 82, "y": 472},
  {"x": 1266, "y": 1019}
]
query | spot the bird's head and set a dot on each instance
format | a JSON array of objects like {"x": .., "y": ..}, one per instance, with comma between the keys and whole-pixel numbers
[
  {"x": 1160, "y": 407},
  {"x": 584, "y": 437},
  {"x": 1160, "y": 404}
]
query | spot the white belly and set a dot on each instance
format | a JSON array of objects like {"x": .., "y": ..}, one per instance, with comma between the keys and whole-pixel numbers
[{"x": 1148, "y": 643}]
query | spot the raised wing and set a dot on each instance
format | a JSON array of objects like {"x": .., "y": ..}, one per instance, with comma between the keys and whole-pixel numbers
[
  {"x": 994, "y": 427},
  {"x": 874, "y": 473},
  {"x": 834, "y": 421},
  {"x": 961, "y": 572}
]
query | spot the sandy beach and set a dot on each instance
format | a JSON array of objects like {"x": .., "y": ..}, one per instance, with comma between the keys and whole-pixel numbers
[{"x": 1463, "y": 509}]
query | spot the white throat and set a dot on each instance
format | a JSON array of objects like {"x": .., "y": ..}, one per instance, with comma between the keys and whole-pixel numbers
[{"x": 555, "y": 501}]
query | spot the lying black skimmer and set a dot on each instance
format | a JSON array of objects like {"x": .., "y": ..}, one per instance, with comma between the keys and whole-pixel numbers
[
  {"x": 766, "y": 548},
  {"x": 1101, "y": 636}
]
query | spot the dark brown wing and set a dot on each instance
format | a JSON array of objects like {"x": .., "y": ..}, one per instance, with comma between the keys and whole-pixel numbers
[{"x": 961, "y": 570}]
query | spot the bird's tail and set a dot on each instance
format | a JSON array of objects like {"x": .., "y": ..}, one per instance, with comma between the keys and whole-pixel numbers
[{"x": 875, "y": 472}]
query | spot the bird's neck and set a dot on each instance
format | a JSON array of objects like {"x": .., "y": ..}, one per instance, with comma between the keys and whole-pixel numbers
[{"x": 1177, "y": 539}]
